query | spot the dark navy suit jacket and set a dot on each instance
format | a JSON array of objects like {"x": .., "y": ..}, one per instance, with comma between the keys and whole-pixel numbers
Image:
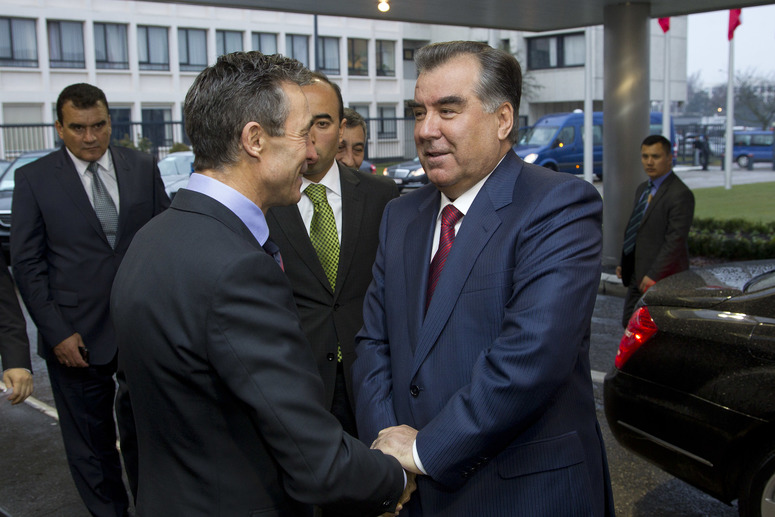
[
  {"x": 62, "y": 261},
  {"x": 496, "y": 375}
]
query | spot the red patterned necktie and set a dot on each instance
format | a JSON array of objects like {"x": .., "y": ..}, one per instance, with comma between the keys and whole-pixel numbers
[{"x": 449, "y": 218}]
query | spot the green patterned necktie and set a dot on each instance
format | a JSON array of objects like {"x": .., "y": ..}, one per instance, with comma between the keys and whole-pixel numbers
[{"x": 322, "y": 231}]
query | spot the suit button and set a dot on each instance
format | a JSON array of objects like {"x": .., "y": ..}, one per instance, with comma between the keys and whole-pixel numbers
[
  {"x": 336, "y": 307},
  {"x": 331, "y": 357},
  {"x": 414, "y": 390}
]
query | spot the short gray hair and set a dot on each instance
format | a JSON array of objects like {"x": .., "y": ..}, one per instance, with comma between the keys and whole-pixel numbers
[
  {"x": 500, "y": 79},
  {"x": 239, "y": 88}
]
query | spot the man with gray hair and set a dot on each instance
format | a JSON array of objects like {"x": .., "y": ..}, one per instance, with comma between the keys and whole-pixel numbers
[
  {"x": 473, "y": 362},
  {"x": 226, "y": 392}
]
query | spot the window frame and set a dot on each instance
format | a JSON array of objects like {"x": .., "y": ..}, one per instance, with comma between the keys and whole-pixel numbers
[
  {"x": 12, "y": 58},
  {"x": 188, "y": 66},
  {"x": 107, "y": 63},
  {"x": 61, "y": 62},
  {"x": 383, "y": 71},
  {"x": 148, "y": 64},
  {"x": 363, "y": 69},
  {"x": 560, "y": 49}
]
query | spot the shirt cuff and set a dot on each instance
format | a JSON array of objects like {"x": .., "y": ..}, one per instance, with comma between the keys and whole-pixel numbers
[{"x": 416, "y": 457}]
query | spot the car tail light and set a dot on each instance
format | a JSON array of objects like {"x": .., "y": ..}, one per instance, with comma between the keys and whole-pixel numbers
[{"x": 640, "y": 329}]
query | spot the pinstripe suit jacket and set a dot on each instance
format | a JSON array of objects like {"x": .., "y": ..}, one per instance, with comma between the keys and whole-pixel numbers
[{"x": 496, "y": 375}]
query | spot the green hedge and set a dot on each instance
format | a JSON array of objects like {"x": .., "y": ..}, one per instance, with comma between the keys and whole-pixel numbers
[{"x": 732, "y": 239}]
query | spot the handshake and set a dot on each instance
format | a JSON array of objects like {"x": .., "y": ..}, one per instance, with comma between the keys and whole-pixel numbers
[{"x": 398, "y": 441}]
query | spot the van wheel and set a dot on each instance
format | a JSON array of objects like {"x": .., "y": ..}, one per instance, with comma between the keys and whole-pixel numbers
[
  {"x": 757, "y": 491},
  {"x": 742, "y": 161}
]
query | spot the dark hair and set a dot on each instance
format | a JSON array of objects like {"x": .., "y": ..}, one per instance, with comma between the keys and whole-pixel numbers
[
  {"x": 320, "y": 76},
  {"x": 82, "y": 95},
  {"x": 354, "y": 119},
  {"x": 239, "y": 88},
  {"x": 658, "y": 139},
  {"x": 500, "y": 78}
]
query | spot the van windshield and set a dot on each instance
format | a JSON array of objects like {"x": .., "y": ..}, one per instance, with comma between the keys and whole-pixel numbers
[{"x": 539, "y": 136}]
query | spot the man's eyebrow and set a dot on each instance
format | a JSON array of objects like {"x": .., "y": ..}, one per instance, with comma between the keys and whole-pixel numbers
[
  {"x": 325, "y": 116},
  {"x": 450, "y": 99},
  {"x": 413, "y": 104}
]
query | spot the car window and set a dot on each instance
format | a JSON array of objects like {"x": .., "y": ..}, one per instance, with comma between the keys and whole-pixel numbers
[
  {"x": 760, "y": 283},
  {"x": 540, "y": 135},
  {"x": 7, "y": 182}
]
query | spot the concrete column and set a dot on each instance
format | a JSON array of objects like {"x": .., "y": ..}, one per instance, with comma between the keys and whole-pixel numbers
[{"x": 625, "y": 117}]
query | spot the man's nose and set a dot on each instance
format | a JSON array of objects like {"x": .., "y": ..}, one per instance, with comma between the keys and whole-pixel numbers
[{"x": 312, "y": 154}]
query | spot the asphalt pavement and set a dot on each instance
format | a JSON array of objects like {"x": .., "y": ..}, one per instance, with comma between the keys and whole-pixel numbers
[{"x": 34, "y": 478}]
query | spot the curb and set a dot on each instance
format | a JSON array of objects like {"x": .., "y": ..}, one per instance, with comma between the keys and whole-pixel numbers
[{"x": 611, "y": 285}]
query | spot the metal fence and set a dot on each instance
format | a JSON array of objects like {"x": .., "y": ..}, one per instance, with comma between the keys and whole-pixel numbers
[
  {"x": 388, "y": 139},
  {"x": 687, "y": 135}
]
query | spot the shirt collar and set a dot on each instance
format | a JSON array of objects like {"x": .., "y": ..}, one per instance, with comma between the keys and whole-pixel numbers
[
  {"x": 657, "y": 182},
  {"x": 81, "y": 165},
  {"x": 466, "y": 199},
  {"x": 248, "y": 212},
  {"x": 330, "y": 180}
]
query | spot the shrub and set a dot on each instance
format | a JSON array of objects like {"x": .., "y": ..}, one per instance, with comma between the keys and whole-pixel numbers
[{"x": 732, "y": 239}]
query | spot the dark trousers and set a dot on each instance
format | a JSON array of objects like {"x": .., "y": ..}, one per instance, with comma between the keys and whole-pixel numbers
[
  {"x": 84, "y": 400},
  {"x": 630, "y": 301},
  {"x": 341, "y": 407}
]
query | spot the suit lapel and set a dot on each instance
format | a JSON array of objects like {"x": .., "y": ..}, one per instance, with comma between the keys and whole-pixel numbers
[
  {"x": 289, "y": 220},
  {"x": 353, "y": 205},
  {"x": 661, "y": 192},
  {"x": 417, "y": 251},
  {"x": 124, "y": 180},
  {"x": 196, "y": 202},
  {"x": 71, "y": 183},
  {"x": 478, "y": 226}
]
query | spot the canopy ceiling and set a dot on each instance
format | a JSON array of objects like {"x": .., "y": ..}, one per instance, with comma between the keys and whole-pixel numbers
[{"x": 525, "y": 15}]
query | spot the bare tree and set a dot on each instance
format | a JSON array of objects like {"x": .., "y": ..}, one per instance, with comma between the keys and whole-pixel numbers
[{"x": 755, "y": 99}]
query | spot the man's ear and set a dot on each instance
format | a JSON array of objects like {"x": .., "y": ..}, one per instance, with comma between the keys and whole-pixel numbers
[
  {"x": 253, "y": 139},
  {"x": 341, "y": 129},
  {"x": 505, "y": 114}
]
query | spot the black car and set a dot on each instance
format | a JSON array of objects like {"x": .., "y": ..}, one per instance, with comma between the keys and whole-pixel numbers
[
  {"x": 7, "y": 182},
  {"x": 693, "y": 387},
  {"x": 407, "y": 174}
]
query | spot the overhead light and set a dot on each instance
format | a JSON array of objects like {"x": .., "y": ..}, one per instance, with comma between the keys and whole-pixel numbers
[{"x": 383, "y": 6}]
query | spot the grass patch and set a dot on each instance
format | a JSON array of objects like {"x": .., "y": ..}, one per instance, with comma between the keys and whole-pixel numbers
[{"x": 752, "y": 202}]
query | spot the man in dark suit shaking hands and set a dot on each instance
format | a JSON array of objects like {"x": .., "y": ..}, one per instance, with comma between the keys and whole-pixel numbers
[
  {"x": 329, "y": 293},
  {"x": 226, "y": 392},
  {"x": 657, "y": 234},
  {"x": 75, "y": 212}
]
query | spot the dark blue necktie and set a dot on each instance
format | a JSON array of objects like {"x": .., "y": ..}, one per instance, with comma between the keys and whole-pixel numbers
[{"x": 635, "y": 219}]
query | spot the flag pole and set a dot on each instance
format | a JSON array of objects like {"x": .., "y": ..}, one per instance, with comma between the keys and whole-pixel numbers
[
  {"x": 729, "y": 140},
  {"x": 666, "y": 96}
]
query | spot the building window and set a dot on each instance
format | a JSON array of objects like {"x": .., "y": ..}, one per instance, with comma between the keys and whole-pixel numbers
[
  {"x": 296, "y": 46},
  {"x": 357, "y": 56},
  {"x": 65, "y": 44},
  {"x": 18, "y": 42},
  {"x": 110, "y": 46},
  {"x": 361, "y": 109},
  {"x": 153, "y": 48},
  {"x": 387, "y": 122},
  {"x": 556, "y": 51},
  {"x": 265, "y": 42},
  {"x": 192, "y": 49},
  {"x": 120, "y": 122},
  {"x": 227, "y": 42},
  {"x": 157, "y": 127},
  {"x": 328, "y": 55},
  {"x": 386, "y": 58}
]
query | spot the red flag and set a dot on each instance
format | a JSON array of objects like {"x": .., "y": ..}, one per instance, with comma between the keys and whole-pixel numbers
[
  {"x": 665, "y": 24},
  {"x": 734, "y": 22}
]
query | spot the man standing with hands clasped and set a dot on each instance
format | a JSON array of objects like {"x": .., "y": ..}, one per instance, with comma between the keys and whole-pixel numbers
[
  {"x": 656, "y": 238},
  {"x": 75, "y": 212},
  {"x": 475, "y": 348}
]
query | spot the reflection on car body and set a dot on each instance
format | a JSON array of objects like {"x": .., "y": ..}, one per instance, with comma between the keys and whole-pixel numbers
[{"x": 693, "y": 387}]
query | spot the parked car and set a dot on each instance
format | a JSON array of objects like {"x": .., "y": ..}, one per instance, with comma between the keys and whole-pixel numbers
[
  {"x": 368, "y": 167},
  {"x": 175, "y": 169},
  {"x": 407, "y": 174},
  {"x": 693, "y": 387},
  {"x": 7, "y": 183},
  {"x": 3, "y": 166},
  {"x": 752, "y": 145},
  {"x": 556, "y": 141}
]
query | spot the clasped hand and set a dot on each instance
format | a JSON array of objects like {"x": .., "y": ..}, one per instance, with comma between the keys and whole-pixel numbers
[{"x": 398, "y": 441}]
